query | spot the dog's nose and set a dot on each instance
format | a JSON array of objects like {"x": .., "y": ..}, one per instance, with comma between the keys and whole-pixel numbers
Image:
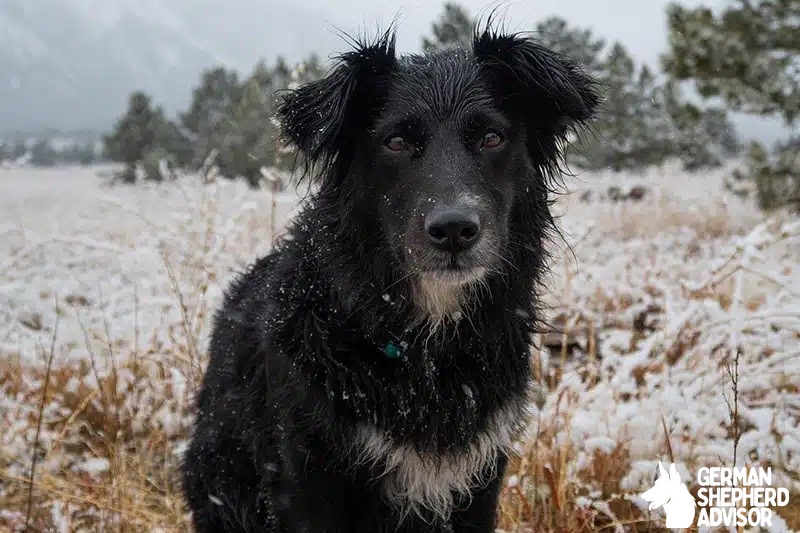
[{"x": 453, "y": 229}]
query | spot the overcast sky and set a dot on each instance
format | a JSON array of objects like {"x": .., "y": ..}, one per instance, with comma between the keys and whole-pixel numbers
[
  {"x": 639, "y": 24},
  {"x": 238, "y": 33}
]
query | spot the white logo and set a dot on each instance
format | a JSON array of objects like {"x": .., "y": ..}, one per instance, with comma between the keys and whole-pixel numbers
[
  {"x": 731, "y": 497},
  {"x": 673, "y": 495}
]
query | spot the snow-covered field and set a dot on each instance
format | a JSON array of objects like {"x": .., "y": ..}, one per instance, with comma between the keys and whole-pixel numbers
[{"x": 106, "y": 293}]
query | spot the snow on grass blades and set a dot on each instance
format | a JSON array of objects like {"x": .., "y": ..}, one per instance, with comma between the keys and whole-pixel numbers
[{"x": 651, "y": 304}]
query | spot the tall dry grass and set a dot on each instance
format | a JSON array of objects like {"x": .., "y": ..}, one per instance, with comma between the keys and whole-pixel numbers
[
  {"x": 92, "y": 440},
  {"x": 111, "y": 419}
]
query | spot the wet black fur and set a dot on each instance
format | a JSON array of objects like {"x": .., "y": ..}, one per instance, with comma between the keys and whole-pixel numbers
[{"x": 296, "y": 353}]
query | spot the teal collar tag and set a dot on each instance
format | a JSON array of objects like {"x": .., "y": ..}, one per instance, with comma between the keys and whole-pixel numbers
[{"x": 393, "y": 350}]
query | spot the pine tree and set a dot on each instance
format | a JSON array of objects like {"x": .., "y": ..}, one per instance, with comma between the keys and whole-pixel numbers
[
  {"x": 19, "y": 150},
  {"x": 43, "y": 154},
  {"x": 631, "y": 131},
  {"x": 616, "y": 125},
  {"x": 142, "y": 133},
  {"x": 213, "y": 102},
  {"x": 249, "y": 137},
  {"x": 234, "y": 121},
  {"x": 644, "y": 122},
  {"x": 281, "y": 73},
  {"x": 579, "y": 44},
  {"x": 308, "y": 70},
  {"x": 454, "y": 28},
  {"x": 748, "y": 55},
  {"x": 75, "y": 153},
  {"x": 775, "y": 178},
  {"x": 702, "y": 138},
  {"x": 87, "y": 154}
]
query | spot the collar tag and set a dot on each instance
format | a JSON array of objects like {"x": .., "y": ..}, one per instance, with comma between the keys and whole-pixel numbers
[{"x": 393, "y": 350}]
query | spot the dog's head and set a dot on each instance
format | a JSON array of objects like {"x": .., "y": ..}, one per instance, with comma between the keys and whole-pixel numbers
[{"x": 443, "y": 158}]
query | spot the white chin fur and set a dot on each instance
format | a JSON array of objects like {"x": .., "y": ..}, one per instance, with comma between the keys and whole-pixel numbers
[
  {"x": 440, "y": 295},
  {"x": 455, "y": 277}
]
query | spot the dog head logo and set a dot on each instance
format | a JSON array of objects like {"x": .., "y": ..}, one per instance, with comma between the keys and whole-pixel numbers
[{"x": 673, "y": 495}]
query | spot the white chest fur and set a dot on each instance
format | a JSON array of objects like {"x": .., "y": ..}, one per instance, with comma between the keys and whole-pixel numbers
[{"x": 415, "y": 481}]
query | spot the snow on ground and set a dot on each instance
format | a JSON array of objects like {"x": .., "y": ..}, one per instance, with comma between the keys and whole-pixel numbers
[
  {"x": 664, "y": 292},
  {"x": 98, "y": 250},
  {"x": 655, "y": 297}
]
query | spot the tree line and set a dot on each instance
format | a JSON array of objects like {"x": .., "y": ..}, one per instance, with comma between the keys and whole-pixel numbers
[
  {"x": 229, "y": 128},
  {"x": 743, "y": 57},
  {"x": 644, "y": 119},
  {"x": 44, "y": 152}
]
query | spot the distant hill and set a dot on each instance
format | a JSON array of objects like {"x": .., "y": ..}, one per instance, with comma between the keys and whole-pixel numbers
[{"x": 70, "y": 64}]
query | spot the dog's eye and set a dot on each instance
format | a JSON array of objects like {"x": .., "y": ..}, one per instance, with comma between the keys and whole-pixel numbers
[
  {"x": 491, "y": 139},
  {"x": 396, "y": 143}
]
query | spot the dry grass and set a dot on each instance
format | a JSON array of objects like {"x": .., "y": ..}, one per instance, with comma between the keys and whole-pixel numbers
[
  {"x": 113, "y": 398},
  {"x": 139, "y": 488},
  {"x": 116, "y": 408},
  {"x": 136, "y": 491},
  {"x": 111, "y": 423}
]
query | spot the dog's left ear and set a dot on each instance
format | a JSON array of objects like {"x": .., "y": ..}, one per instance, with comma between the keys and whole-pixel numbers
[
  {"x": 322, "y": 118},
  {"x": 549, "y": 91}
]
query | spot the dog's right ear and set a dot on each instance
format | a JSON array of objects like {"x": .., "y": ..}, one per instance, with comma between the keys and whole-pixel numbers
[{"x": 323, "y": 118}]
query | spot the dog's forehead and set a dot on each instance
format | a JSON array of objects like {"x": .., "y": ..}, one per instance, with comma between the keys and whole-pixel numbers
[{"x": 438, "y": 84}]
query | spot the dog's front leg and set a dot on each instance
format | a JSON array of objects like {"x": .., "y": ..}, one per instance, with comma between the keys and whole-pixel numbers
[{"x": 479, "y": 515}]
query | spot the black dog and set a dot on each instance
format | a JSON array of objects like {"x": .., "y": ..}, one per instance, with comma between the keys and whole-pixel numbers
[{"x": 370, "y": 374}]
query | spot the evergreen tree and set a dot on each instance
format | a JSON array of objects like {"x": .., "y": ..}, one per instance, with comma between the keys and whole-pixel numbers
[
  {"x": 142, "y": 132},
  {"x": 631, "y": 131},
  {"x": 747, "y": 54},
  {"x": 306, "y": 71},
  {"x": 616, "y": 125},
  {"x": 233, "y": 121},
  {"x": 69, "y": 154},
  {"x": 249, "y": 137},
  {"x": 19, "y": 150},
  {"x": 310, "y": 69},
  {"x": 281, "y": 74},
  {"x": 775, "y": 178},
  {"x": 213, "y": 102},
  {"x": 43, "y": 154},
  {"x": 643, "y": 122},
  {"x": 454, "y": 28},
  {"x": 87, "y": 154},
  {"x": 579, "y": 44},
  {"x": 702, "y": 138}
]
